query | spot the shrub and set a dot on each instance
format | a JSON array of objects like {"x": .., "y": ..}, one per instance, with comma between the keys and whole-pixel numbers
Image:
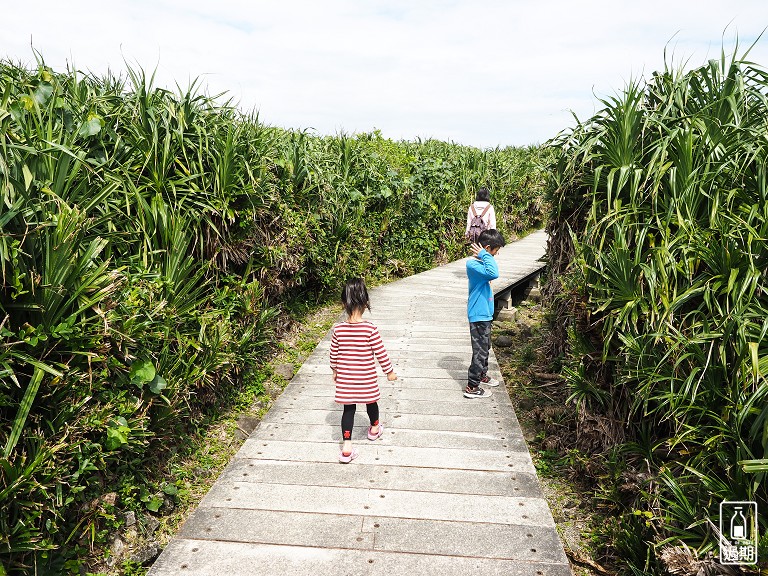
[
  {"x": 658, "y": 256},
  {"x": 148, "y": 241}
]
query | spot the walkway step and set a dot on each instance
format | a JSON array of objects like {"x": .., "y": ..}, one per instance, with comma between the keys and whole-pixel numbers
[
  {"x": 449, "y": 489},
  {"x": 246, "y": 559},
  {"x": 382, "y": 476}
]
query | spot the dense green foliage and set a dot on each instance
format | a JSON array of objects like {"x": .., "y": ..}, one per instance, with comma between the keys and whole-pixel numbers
[
  {"x": 658, "y": 257},
  {"x": 148, "y": 241}
]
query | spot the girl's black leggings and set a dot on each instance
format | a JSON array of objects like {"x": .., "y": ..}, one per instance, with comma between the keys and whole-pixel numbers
[{"x": 348, "y": 417}]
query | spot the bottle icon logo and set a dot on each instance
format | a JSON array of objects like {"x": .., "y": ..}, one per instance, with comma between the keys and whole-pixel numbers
[
  {"x": 738, "y": 524},
  {"x": 738, "y": 533}
]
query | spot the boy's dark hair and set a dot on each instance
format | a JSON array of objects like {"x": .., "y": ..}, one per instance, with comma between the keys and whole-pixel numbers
[
  {"x": 483, "y": 195},
  {"x": 354, "y": 296},
  {"x": 491, "y": 238}
]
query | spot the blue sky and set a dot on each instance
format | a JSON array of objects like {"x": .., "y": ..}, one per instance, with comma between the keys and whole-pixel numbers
[{"x": 479, "y": 72}]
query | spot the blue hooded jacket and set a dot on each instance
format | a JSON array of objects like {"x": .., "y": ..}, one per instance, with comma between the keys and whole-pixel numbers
[{"x": 480, "y": 273}]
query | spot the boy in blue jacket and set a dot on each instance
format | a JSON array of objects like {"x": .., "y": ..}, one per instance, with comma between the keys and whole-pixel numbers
[{"x": 481, "y": 269}]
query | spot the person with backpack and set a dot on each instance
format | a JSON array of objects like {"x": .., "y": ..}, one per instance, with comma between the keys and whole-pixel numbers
[{"x": 480, "y": 216}]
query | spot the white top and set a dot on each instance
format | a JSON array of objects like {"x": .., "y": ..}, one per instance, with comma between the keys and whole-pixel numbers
[{"x": 489, "y": 218}]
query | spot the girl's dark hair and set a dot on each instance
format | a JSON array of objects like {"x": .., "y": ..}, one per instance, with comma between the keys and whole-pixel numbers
[
  {"x": 483, "y": 195},
  {"x": 354, "y": 296}
]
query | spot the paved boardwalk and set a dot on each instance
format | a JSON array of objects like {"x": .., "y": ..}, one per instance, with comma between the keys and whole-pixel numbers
[{"x": 449, "y": 489}]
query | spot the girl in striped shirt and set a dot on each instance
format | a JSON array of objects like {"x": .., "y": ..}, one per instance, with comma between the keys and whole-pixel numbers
[{"x": 355, "y": 346}]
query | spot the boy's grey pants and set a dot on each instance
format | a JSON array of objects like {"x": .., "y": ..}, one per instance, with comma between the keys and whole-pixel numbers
[{"x": 480, "y": 334}]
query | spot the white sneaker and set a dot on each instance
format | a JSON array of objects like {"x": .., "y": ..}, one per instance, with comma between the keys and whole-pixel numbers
[
  {"x": 488, "y": 381},
  {"x": 476, "y": 392}
]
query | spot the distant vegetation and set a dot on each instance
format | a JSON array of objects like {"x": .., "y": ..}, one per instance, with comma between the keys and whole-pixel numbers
[
  {"x": 658, "y": 259},
  {"x": 150, "y": 243}
]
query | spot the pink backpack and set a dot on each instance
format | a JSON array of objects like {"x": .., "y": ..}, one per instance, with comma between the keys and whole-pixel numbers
[{"x": 477, "y": 225}]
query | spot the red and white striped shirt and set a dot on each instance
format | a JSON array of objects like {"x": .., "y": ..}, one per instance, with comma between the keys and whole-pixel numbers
[{"x": 355, "y": 347}]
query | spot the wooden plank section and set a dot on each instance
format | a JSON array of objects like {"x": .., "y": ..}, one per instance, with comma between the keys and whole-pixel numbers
[{"x": 449, "y": 489}]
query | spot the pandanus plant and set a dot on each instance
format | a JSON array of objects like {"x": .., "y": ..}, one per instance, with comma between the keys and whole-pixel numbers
[
  {"x": 147, "y": 238},
  {"x": 659, "y": 244}
]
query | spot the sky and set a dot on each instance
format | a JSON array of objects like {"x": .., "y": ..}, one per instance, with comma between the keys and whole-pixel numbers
[{"x": 483, "y": 73}]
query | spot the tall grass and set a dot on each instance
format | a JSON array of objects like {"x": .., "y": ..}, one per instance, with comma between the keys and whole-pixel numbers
[
  {"x": 659, "y": 249},
  {"x": 148, "y": 241}
]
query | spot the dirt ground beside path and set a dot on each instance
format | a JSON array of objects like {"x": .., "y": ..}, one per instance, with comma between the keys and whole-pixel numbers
[{"x": 539, "y": 400}]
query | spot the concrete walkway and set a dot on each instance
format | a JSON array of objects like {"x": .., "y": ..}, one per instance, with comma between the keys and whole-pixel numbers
[{"x": 449, "y": 489}]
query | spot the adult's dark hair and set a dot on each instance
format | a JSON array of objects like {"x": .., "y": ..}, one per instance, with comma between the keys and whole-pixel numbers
[
  {"x": 491, "y": 238},
  {"x": 354, "y": 296},
  {"x": 483, "y": 195}
]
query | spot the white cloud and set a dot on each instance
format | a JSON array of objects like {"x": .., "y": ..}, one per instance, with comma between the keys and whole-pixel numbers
[{"x": 485, "y": 72}]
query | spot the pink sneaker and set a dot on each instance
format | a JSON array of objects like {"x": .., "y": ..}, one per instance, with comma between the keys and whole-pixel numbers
[
  {"x": 347, "y": 458},
  {"x": 378, "y": 434}
]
